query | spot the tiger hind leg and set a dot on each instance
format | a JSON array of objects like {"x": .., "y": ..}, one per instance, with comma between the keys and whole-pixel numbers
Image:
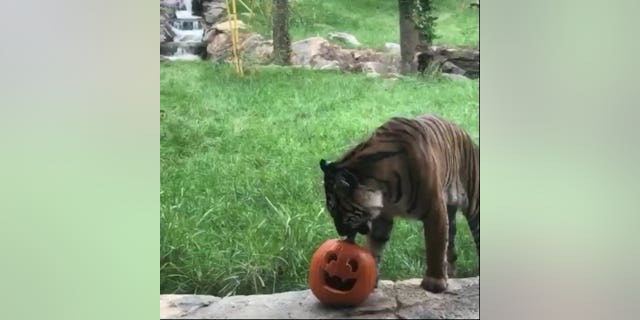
[
  {"x": 473, "y": 220},
  {"x": 377, "y": 239},
  {"x": 452, "y": 255},
  {"x": 435, "y": 234}
]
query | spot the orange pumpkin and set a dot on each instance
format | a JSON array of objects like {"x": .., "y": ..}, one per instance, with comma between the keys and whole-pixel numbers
[{"x": 342, "y": 273}]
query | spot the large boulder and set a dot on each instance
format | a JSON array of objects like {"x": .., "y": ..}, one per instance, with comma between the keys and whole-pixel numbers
[
  {"x": 252, "y": 47},
  {"x": 303, "y": 52},
  {"x": 257, "y": 50},
  {"x": 345, "y": 37},
  {"x": 213, "y": 11}
]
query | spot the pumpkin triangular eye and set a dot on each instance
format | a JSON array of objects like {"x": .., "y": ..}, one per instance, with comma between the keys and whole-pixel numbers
[
  {"x": 331, "y": 256},
  {"x": 353, "y": 264}
]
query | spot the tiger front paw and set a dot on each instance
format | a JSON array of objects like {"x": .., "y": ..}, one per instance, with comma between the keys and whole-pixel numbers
[{"x": 434, "y": 285}]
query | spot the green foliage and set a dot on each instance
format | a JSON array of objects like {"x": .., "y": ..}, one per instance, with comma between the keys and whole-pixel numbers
[
  {"x": 241, "y": 198},
  {"x": 425, "y": 20}
]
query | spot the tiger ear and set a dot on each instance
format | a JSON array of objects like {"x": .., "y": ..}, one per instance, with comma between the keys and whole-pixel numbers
[
  {"x": 326, "y": 166},
  {"x": 323, "y": 165}
]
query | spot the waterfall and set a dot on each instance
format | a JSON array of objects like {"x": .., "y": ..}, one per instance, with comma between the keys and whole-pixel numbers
[
  {"x": 187, "y": 28},
  {"x": 188, "y": 33}
]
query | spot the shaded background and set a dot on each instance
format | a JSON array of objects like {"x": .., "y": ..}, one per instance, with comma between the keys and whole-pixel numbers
[{"x": 80, "y": 176}]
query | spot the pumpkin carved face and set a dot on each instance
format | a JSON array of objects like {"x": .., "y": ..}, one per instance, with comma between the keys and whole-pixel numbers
[{"x": 342, "y": 273}]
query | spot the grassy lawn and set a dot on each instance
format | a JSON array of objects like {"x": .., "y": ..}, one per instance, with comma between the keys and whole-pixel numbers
[
  {"x": 373, "y": 22},
  {"x": 242, "y": 208}
]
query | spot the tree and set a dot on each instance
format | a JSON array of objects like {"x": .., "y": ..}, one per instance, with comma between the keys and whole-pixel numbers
[
  {"x": 416, "y": 31},
  {"x": 409, "y": 36},
  {"x": 281, "y": 38}
]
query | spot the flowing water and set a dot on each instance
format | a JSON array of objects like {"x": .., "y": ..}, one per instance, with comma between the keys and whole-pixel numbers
[{"x": 188, "y": 30}]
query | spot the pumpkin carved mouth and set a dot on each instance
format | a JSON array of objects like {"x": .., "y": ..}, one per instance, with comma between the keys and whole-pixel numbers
[
  {"x": 335, "y": 282},
  {"x": 338, "y": 284}
]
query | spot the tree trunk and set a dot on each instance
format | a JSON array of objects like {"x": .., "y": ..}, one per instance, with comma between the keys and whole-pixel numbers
[
  {"x": 281, "y": 39},
  {"x": 409, "y": 37}
]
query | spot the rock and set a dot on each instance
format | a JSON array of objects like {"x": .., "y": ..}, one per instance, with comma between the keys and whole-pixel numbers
[
  {"x": 403, "y": 299},
  {"x": 226, "y": 26},
  {"x": 252, "y": 46},
  {"x": 343, "y": 58},
  {"x": 318, "y": 53},
  {"x": 392, "y": 47},
  {"x": 449, "y": 67},
  {"x": 345, "y": 37},
  {"x": 324, "y": 64},
  {"x": 461, "y": 300},
  {"x": 457, "y": 59},
  {"x": 381, "y": 300},
  {"x": 172, "y": 306},
  {"x": 214, "y": 10},
  {"x": 292, "y": 305},
  {"x": 251, "y": 307},
  {"x": 219, "y": 47},
  {"x": 373, "y": 67},
  {"x": 365, "y": 55},
  {"x": 256, "y": 49},
  {"x": 304, "y": 50}
]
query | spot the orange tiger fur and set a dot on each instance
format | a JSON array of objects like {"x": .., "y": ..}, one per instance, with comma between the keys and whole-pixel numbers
[{"x": 423, "y": 168}]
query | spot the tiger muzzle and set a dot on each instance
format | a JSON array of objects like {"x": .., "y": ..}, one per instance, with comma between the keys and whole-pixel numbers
[
  {"x": 350, "y": 231},
  {"x": 363, "y": 228},
  {"x": 344, "y": 231}
]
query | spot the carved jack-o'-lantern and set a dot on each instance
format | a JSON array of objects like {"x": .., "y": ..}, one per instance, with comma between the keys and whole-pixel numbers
[{"x": 342, "y": 273}]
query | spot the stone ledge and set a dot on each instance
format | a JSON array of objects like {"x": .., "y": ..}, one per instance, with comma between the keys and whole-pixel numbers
[{"x": 391, "y": 300}]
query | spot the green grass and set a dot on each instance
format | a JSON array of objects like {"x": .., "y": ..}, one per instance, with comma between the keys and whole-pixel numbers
[
  {"x": 373, "y": 22},
  {"x": 242, "y": 208}
]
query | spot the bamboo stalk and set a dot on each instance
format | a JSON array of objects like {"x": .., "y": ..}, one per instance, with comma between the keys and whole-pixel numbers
[
  {"x": 232, "y": 20},
  {"x": 235, "y": 32}
]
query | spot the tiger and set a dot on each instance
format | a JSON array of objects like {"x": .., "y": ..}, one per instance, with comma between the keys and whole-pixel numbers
[{"x": 423, "y": 168}]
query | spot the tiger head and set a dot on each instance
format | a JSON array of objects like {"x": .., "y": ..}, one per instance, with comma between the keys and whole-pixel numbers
[{"x": 352, "y": 205}]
